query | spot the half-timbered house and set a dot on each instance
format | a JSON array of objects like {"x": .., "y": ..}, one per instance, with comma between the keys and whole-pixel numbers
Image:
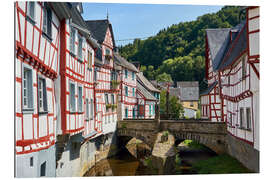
[
  {"x": 128, "y": 87},
  {"x": 37, "y": 51},
  {"x": 147, "y": 97},
  {"x": 104, "y": 73},
  {"x": 237, "y": 72}
]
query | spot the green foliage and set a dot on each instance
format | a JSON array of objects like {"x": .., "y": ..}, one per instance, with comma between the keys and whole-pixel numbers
[
  {"x": 177, "y": 160},
  {"x": 175, "y": 107},
  {"x": 124, "y": 125},
  {"x": 194, "y": 145},
  {"x": 179, "y": 49},
  {"x": 198, "y": 114},
  {"x": 221, "y": 164},
  {"x": 165, "y": 133},
  {"x": 164, "y": 77}
]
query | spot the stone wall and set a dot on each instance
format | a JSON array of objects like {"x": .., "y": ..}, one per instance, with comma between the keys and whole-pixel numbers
[
  {"x": 76, "y": 160},
  {"x": 243, "y": 152}
]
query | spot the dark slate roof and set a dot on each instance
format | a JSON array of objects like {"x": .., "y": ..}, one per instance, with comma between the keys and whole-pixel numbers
[
  {"x": 236, "y": 47},
  {"x": 146, "y": 83},
  {"x": 209, "y": 89},
  {"x": 99, "y": 29},
  {"x": 217, "y": 40},
  {"x": 220, "y": 43},
  {"x": 123, "y": 62},
  {"x": 189, "y": 90},
  {"x": 175, "y": 92},
  {"x": 145, "y": 93}
]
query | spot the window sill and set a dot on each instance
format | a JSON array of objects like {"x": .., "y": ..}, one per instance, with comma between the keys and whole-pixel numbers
[
  {"x": 46, "y": 36},
  {"x": 72, "y": 54},
  {"x": 80, "y": 60},
  {"x": 28, "y": 111},
  {"x": 30, "y": 20},
  {"x": 43, "y": 112}
]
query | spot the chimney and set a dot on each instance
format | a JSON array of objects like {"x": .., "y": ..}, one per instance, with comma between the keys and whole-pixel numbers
[{"x": 137, "y": 64}]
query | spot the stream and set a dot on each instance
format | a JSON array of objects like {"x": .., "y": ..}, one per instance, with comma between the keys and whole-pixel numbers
[{"x": 130, "y": 162}]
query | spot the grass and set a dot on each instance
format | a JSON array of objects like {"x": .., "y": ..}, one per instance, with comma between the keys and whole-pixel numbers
[{"x": 221, "y": 164}]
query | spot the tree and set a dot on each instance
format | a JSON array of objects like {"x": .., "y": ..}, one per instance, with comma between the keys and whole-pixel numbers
[
  {"x": 164, "y": 77},
  {"x": 175, "y": 107}
]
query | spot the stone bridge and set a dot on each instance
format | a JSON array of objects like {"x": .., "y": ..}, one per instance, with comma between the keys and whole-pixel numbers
[{"x": 210, "y": 134}]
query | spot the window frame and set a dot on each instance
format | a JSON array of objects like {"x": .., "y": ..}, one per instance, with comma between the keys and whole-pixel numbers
[
  {"x": 242, "y": 117},
  {"x": 80, "y": 47},
  {"x": 80, "y": 102},
  {"x": 44, "y": 95},
  {"x": 72, "y": 40},
  {"x": 112, "y": 98},
  {"x": 91, "y": 109},
  {"x": 47, "y": 16},
  {"x": 126, "y": 112},
  {"x": 126, "y": 73},
  {"x": 29, "y": 90},
  {"x": 28, "y": 14},
  {"x": 89, "y": 59},
  {"x": 248, "y": 118},
  {"x": 72, "y": 109},
  {"x": 87, "y": 115},
  {"x": 126, "y": 90},
  {"x": 133, "y": 92},
  {"x": 133, "y": 75}
]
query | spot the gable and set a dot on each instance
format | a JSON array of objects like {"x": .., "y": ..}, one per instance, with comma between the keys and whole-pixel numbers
[{"x": 108, "y": 38}]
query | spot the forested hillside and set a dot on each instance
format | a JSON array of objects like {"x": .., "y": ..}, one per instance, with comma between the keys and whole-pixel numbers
[{"x": 179, "y": 49}]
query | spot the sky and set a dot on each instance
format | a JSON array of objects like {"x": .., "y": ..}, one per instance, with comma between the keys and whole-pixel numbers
[{"x": 131, "y": 21}]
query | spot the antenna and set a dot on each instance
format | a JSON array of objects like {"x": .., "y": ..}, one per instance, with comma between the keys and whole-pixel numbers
[{"x": 107, "y": 15}]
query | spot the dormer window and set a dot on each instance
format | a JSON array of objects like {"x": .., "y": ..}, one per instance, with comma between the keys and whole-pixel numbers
[{"x": 47, "y": 21}]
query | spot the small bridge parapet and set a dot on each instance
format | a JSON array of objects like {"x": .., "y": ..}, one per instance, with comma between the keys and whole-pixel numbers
[{"x": 211, "y": 134}]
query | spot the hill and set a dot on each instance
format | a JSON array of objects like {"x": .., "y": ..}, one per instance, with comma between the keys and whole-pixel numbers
[{"x": 179, "y": 49}]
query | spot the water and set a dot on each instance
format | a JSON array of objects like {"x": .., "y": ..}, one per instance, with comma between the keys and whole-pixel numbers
[
  {"x": 123, "y": 164},
  {"x": 126, "y": 164}
]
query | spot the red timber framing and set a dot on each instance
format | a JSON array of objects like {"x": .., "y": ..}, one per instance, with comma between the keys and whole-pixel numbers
[
  {"x": 35, "y": 129},
  {"x": 128, "y": 102},
  {"x": 105, "y": 95},
  {"x": 76, "y": 72},
  {"x": 214, "y": 101},
  {"x": 240, "y": 84}
]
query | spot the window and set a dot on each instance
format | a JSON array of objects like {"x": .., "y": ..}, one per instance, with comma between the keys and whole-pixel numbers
[
  {"x": 133, "y": 92},
  {"x": 72, "y": 40},
  {"x": 89, "y": 59},
  {"x": 126, "y": 73},
  {"x": 243, "y": 68},
  {"x": 47, "y": 21},
  {"x": 107, "y": 52},
  {"x": 31, "y": 10},
  {"x": 72, "y": 97},
  {"x": 106, "y": 99},
  {"x": 133, "y": 75},
  {"x": 241, "y": 117},
  {"x": 95, "y": 74},
  {"x": 191, "y": 104},
  {"x": 27, "y": 89},
  {"x": 229, "y": 80},
  {"x": 31, "y": 161},
  {"x": 80, "y": 48},
  {"x": 153, "y": 109},
  {"x": 92, "y": 109},
  {"x": 112, "y": 96},
  {"x": 126, "y": 113},
  {"x": 80, "y": 99},
  {"x": 133, "y": 113},
  {"x": 42, "y": 95},
  {"x": 126, "y": 91},
  {"x": 43, "y": 169},
  {"x": 87, "y": 109},
  {"x": 150, "y": 110},
  {"x": 248, "y": 114}
]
